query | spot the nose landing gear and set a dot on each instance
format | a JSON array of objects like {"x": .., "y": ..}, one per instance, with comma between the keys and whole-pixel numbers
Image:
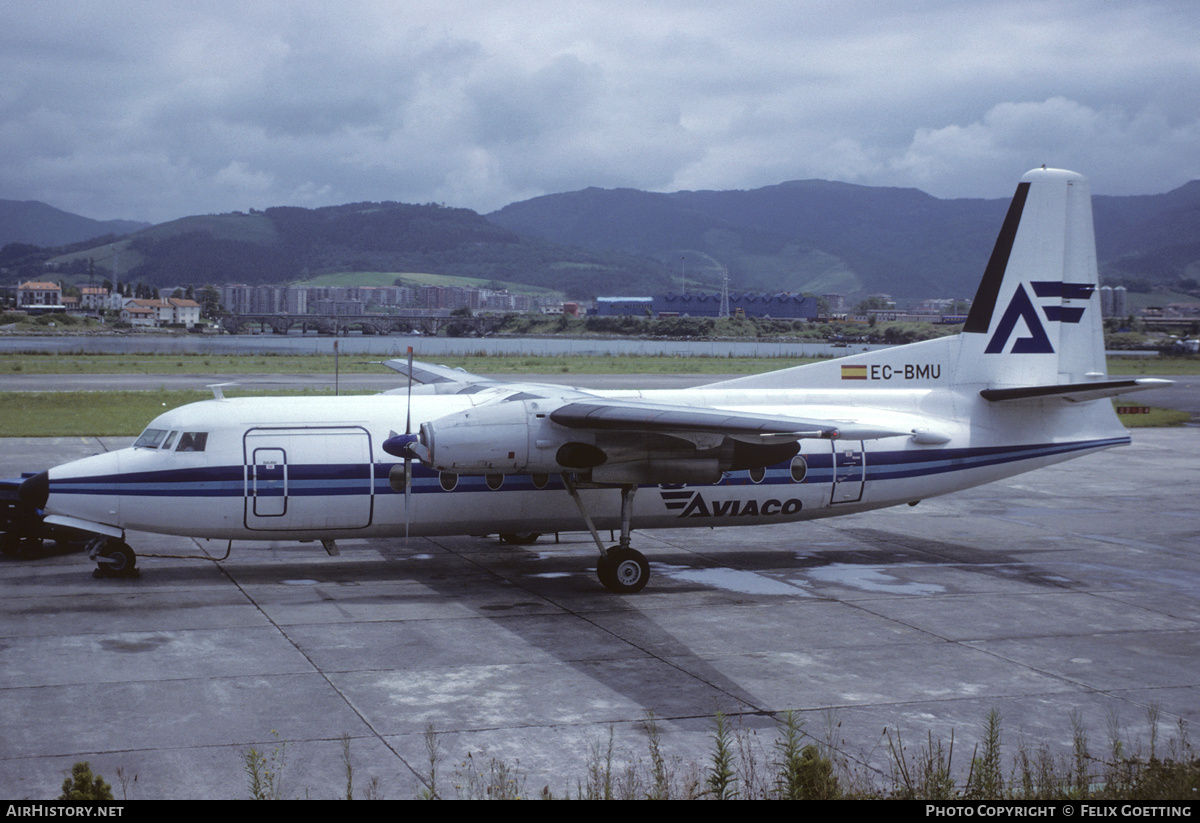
[{"x": 113, "y": 558}]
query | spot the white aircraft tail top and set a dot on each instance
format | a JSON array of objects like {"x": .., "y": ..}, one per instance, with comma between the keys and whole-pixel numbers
[{"x": 1036, "y": 317}]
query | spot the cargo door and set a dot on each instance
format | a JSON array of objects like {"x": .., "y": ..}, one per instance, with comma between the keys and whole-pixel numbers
[{"x": 309, "y": 479}]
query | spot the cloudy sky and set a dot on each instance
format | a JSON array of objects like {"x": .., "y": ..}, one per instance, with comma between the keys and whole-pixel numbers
[{"x": 155, "y": 109}]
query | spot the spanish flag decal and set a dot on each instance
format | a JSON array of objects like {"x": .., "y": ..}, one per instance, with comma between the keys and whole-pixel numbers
[{"x": 854, "y": 372}]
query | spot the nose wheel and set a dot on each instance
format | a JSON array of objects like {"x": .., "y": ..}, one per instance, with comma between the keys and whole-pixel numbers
[{"x": 114, "y": 558}]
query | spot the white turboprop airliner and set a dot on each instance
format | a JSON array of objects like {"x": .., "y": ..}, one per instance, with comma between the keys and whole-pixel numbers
[{"x": 1022, "y": 386}]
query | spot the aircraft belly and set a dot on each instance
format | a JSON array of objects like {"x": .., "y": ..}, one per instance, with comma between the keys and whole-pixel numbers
[{"x": 185, "y": 516}]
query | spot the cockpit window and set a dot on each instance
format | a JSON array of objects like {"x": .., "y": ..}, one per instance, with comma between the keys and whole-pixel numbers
[
  {"x": 192, "y": 442},
  {"x": 170, "y": 440},
  {"x": 150, "y": 439}
]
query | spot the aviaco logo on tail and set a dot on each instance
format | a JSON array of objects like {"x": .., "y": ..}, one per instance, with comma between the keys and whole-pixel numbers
[
  {"x": 1023, "y": 308},
  {"x": 693, "y": 504}
]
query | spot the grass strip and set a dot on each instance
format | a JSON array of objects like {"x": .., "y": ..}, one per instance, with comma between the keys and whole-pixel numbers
[
  {"x": 103, "y": 413},
  {"x": 40, "y": 363}
]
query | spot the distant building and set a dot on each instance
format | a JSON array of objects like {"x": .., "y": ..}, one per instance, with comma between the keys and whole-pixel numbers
[
  {"x": 93, "y": 298},
  {"x": 138, "y": 315},
  {"x": 781, "y": 306},
  {"x": 837, "y": 303},
  {"x": 32, "y": 294},
  {"x": 750, "y": 304},
  {"x": 358, "y": 300},
  {"x": 622, "y": 306},
  {"x": 1113, "y": 302},
  {"x": 166, "y": 311}
]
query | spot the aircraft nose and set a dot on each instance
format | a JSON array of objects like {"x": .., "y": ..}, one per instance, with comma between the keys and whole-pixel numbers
[{"x": 35, "y": 491}]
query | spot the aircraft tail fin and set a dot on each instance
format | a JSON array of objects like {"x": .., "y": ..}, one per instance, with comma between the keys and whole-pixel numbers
[{"x": 1035, "y": 320}]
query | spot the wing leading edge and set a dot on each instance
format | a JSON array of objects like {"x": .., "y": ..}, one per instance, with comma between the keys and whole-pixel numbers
[{"x": 609, "y": 416}]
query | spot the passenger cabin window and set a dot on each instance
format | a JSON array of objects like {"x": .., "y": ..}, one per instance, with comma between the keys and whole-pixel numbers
[
  {"x": 799, "y": 469},
  {"x": 192, "y": 442}
]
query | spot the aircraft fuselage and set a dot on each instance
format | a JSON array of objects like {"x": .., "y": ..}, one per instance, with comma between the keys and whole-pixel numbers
[{"x": 313, "y": 468}]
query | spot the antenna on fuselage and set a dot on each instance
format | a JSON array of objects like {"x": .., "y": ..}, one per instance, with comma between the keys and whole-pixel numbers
[{"x": 216, "y": 389}]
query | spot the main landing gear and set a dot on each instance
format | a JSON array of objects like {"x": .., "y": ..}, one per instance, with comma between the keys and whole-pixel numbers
[
  {"x": 113, "y": 558},
  {"x": 621, "y": 569}
]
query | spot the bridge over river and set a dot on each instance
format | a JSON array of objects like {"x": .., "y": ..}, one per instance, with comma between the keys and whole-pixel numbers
[{"x": 337, "y": 324}]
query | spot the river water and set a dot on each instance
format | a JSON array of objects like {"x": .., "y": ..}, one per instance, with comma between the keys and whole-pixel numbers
[{"x": 397, "y": 346}]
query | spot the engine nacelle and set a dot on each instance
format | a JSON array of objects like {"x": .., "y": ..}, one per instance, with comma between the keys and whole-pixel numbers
[
  {"x": 513, "y": 437},
  {"x": 518, "y": 437}
]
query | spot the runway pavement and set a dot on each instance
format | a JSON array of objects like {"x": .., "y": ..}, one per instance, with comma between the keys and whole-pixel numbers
[{"x": 1073, "y": 591}]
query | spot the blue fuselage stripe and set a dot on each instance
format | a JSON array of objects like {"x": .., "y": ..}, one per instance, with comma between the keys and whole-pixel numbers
[{"x": 356, "y": 479}]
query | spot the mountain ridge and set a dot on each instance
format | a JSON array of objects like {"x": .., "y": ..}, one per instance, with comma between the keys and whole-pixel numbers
[
  {"x": 40, "y": 224},
  {"x": 799, "y": 236}
]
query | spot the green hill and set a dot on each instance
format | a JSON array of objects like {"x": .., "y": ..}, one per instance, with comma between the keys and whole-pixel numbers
[
  {"x": 819, "y": 236},
  {"x": 808, "y": 236},
  {"x": 287, "y": 244}
]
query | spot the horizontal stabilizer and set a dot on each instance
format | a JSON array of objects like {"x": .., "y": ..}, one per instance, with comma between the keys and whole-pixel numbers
[
  {"x": 429, "y": 373},
  {"x": 1076, "y": 392}
]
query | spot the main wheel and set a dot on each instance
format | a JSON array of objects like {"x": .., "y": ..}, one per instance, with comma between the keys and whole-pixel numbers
[
  {"x": 521, "y": 538},
  {"x": 623, "y": 570},
  {"x": 120, "y": 560}
]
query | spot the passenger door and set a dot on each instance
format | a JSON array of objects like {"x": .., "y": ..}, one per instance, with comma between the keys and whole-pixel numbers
[{"x": 849, "y": 470}]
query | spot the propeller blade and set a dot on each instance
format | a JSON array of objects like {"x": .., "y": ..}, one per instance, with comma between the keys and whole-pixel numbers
[
  {"x": 408, "y": 460},
  {"x": 408, "y": 414}
]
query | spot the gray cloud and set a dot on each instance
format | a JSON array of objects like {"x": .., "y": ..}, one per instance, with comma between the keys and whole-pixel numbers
[{"x": 153, "y": 111}]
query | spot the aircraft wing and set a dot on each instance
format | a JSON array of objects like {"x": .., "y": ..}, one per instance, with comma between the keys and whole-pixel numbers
[
  {"x": 614, "y": 440},
  {"x": 614, "y": 416}
]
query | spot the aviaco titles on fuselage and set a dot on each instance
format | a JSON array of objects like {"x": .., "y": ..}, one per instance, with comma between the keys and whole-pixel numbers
[{"x": 1022, "y": 386}]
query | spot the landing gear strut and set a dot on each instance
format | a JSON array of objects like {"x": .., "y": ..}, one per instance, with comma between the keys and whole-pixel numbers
[
  {"x": 113, "y": 558},
  {"x": 621, "y": 569}
]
